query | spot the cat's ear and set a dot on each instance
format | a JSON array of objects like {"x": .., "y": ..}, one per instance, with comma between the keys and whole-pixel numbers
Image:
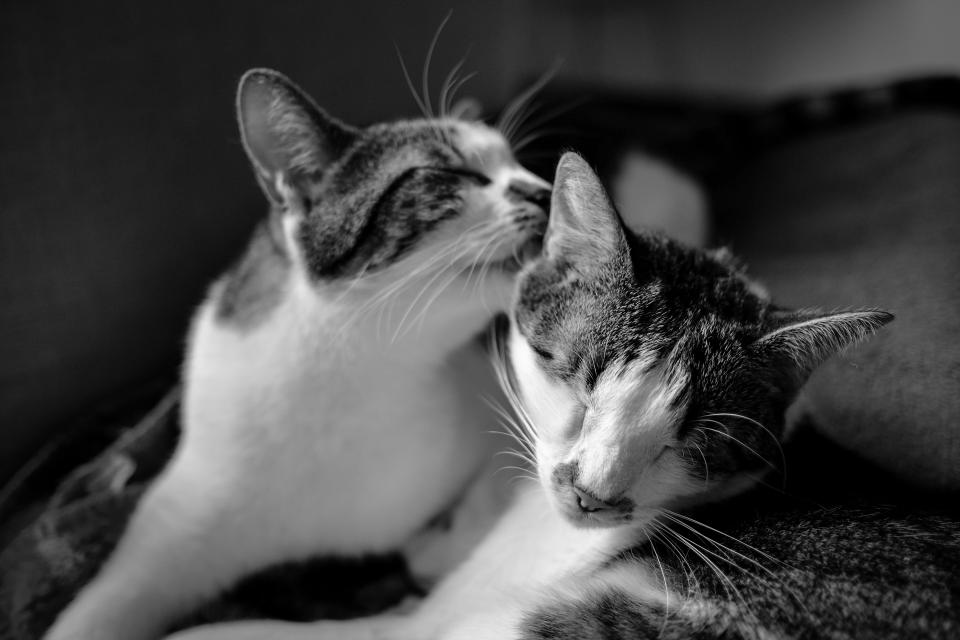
[
  {"x": 797, "y": 342},
  {"x": 584, "y": 228},
  {"x": 290, "y": 141}
]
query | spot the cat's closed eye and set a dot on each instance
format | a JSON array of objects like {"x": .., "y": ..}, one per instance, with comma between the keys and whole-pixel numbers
[{"x": 542, "y": 353}]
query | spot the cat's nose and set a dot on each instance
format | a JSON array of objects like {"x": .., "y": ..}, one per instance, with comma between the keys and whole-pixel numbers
[{"x": 590, "y": 503}]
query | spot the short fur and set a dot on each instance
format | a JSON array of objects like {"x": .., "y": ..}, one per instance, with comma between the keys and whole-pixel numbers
[
  {"x": 332, "y": 400},
  {"x": 649, "y": 381}
]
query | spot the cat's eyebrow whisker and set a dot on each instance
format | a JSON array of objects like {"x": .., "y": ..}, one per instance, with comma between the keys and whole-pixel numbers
[
  {"x": 508, "y": 116},
  {"x": 458, "y": 85},
  {"x": 425, "y": 76},
  {"x": 530, "y": 126},
  {"x": 413, "y": 91},
  {"x": 522, "y": 114},
  {"x": 452, "y": 77},
  {"x": 525, "y": 141}
]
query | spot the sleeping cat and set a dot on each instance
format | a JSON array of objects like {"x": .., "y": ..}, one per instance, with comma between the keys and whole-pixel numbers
[
  {"x": 332, "y": 387},
  {"x": 650, "y": 378}
]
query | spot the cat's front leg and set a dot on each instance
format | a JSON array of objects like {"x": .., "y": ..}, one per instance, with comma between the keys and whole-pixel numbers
[
  {"x": 382, "y": 627},
  {"x": 186, "y": 540}
]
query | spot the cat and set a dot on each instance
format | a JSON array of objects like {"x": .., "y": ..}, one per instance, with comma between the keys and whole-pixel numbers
[
  {"x": 333, "y": 385},
  {"x": 651, "y": 380}
]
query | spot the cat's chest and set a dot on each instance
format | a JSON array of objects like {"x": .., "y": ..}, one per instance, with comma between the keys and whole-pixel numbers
[{"x": 311, "y": 423}]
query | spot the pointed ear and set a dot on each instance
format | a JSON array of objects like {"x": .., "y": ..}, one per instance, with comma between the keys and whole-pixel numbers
[
  {"x": 584, "y": 228},
  {"x": 290, "y": 141},
  {"x": 799, "y": 341}
]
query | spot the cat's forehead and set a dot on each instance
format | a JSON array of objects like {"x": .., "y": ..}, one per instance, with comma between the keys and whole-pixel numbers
[{"x": 441, "y": 141}]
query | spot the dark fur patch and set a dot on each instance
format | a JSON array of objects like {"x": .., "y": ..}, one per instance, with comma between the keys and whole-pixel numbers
[
  {"x": 394, "y": 185},
  {"x": 255, "y": 285}
]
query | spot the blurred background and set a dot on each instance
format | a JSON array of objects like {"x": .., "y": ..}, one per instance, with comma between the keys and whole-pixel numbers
[{"x": 124, "y": 189}]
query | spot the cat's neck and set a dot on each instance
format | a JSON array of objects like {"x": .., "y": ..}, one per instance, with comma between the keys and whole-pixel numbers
[{"x": 361, "y": 329}]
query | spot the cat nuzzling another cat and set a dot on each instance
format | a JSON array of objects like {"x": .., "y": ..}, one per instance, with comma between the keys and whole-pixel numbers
[
  {"x": 650, "y": 378},
  {"x": 332, "y": 400}
]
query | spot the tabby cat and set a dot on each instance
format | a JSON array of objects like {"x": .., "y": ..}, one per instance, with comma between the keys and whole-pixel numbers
[
  {"x": 332, "y": 399},
  {"x": 650, "y": 381}
]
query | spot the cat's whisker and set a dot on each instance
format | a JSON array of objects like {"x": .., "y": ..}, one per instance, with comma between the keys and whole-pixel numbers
[
  {"x": 725, "y": 580},
  {"x": 459, "y": 85},
  {"x": 706, "y": 467},
  {"x": 486, "y": 257},
  {"x": 525, "y": 141},
  {"x": 531, "y": 125},
  {"x": 740, "y": 442},
  {"x": 519, "y": 433},
  {"x": 423, "y": 290},
  {"x": 413, "y": 91},
  {"x": 412, "y": 275},
  {"x": 465, "y": 247},
  {"x": 425, "y": 76},
  {"x": 776, "y": 581},
  {"x": 518, "y": 439},
  {"x": 421, "y": 316},
  {"x": 666, "y": 590},
  {"x": 726, "y": 535},
  {"x": 445, "y": 89},
  {"x": 479, "y": 261},
  {"x": 508, "y": 116},
  {"x": 689, "y": 575},
  {"x": 717, "y": 545},
  {"x": 737, "y": 416},
  {"x": 522, "y": 473},
  {"x": 518, "y": 119}
]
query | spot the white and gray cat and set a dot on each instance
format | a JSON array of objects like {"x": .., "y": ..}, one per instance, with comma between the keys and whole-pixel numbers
[
  {"x": 650, "y": 378},
  {"x": 332, "y": 398}
]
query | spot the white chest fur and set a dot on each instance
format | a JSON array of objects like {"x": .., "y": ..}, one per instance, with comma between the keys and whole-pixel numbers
[{"x": 338, "y": 439}]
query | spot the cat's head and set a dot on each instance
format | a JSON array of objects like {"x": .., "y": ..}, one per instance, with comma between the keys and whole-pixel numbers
[
  {"x": 409, "y": 206},
  {"x": 654, "y": 374}
]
